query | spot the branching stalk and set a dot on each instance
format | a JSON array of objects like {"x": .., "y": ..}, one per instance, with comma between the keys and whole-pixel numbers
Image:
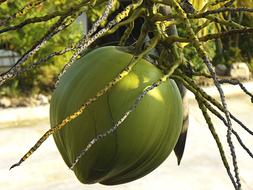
[
  {"x": 197, "y": 94},
  {"x": 85, "y": 42},
  {"x": 217, "y": 139},
  {"x": 206, "y": 60},
  {"x": 57, "y": 27}
]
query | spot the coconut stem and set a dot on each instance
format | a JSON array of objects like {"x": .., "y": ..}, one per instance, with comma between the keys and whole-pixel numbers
[
  {"x": 206, "y": 60},
  {"x": 192, "y": 87},
  {"x": 87, "y": 40}
]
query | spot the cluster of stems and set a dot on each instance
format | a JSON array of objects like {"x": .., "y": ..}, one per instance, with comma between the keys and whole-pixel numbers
[{"x": 154, "y": 36}]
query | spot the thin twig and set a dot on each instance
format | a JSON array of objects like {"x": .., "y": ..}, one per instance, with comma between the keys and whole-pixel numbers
[
  {"x": 32, "y": 21},
  {"x": 217, "y": 140},
  {"x": 207, "y": 62},
  {"x": 237, "y": 82},
  {"x": 246, "y": 30},
  {"x": 57, "y": 27},
  {"x": 69, "y": 12},
  {"x": 214, "y": 102},
  {"x": 220, "y": 10},
  {"x": 225, "y": 34},
  {"x": 43, "y": 60},
  {"x": 87, "y": 39},
  {"x": 212, "y": 3},
  {"x": 85, "y": 42},
  {"x": 216, "y": 113},
  {"x": 198, "y": 94}
]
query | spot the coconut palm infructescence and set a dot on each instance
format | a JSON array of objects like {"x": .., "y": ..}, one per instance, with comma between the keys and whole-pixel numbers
[{"x": 155, "y": 43}]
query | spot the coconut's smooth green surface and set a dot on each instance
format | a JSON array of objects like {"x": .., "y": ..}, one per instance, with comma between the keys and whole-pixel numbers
[{"x": 141, "y": 143}]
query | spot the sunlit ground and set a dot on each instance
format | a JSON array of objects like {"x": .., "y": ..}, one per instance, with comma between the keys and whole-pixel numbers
[{"x": 201, "y": 167}]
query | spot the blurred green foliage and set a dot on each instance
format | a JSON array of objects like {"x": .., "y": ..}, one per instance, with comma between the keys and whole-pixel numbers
[
  {"x": 192, "y": 57},
  {"x": 190, "y": 52},
  {"x": 236, "y": 48},
  {"x": 42, "y": 78},
  {"x": 228, "y": 50}
]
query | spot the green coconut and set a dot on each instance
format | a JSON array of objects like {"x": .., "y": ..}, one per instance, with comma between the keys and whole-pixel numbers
[{"x": 145, "y": 138}]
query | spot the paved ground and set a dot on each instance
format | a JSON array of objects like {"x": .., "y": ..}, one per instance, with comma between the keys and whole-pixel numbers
[
  {"x": 201, "y": 167},
  {"x": 22, "y": 115}
]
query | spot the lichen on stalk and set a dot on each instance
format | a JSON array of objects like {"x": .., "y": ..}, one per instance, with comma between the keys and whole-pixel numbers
[
  {"x": 86, "y": 41},
  {"x": 207, "y": 101},
  {"x": 206, "y": 60},
  {"x": 167, "y": 54},
  {"x": 60, "y": 25}
]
